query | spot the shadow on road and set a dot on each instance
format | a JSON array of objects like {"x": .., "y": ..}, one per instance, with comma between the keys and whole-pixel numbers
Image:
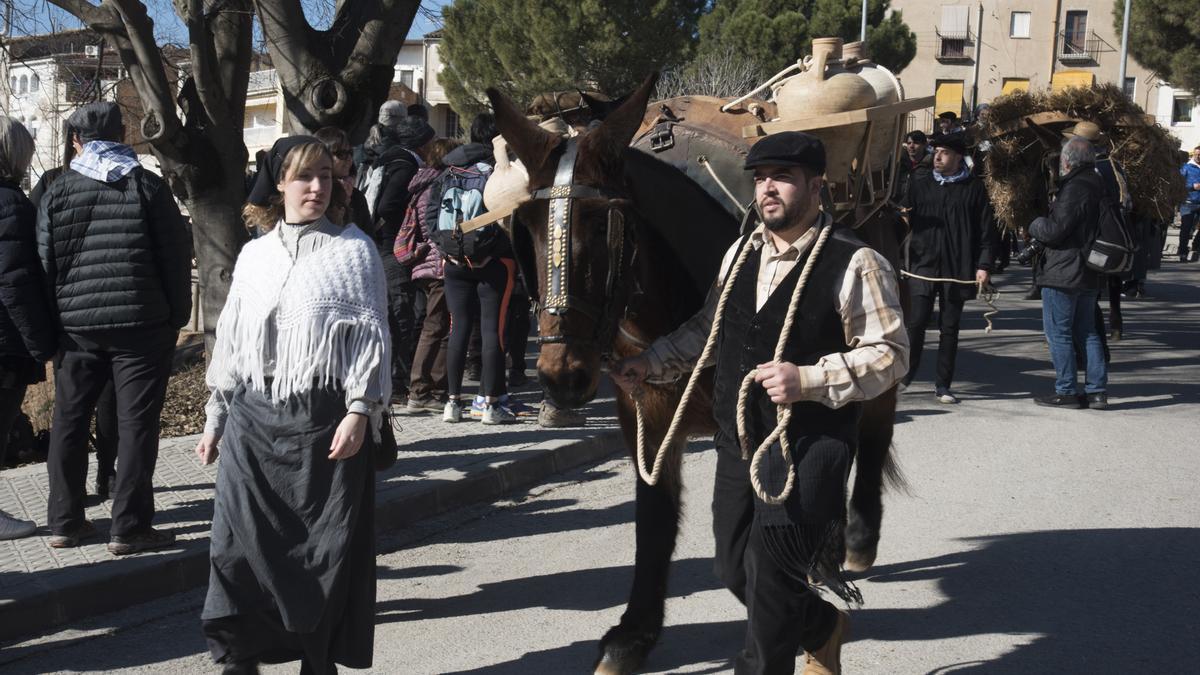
[{"x": 1090, "y": 601}]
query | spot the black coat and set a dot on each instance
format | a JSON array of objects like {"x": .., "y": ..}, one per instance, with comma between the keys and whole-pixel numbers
[
  {"x": 1068, "y": 231},
  {"x": 117, "y": 255},
  {"x": 26, "y": 331},
  {"x": 952, "y": 233}
]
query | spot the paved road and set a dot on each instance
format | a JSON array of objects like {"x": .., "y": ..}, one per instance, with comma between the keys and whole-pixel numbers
[{"x": 1029, "y": 541}]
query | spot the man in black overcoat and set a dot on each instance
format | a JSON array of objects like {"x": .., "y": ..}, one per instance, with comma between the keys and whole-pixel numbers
[{"x": 952, "y": 235}]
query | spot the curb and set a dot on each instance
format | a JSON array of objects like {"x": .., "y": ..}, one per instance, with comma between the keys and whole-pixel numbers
[{"x": 39, "y": 606}]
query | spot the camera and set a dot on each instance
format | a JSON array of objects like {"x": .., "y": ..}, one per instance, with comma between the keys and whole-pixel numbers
[{"x": 1034, "y": 248}]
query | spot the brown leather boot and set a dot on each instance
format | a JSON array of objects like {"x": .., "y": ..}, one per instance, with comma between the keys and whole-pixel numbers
[{"x": 828, "y": 659}]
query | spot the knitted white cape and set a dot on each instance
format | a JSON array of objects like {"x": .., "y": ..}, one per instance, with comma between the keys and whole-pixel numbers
[{"x": 329, "y": 324}]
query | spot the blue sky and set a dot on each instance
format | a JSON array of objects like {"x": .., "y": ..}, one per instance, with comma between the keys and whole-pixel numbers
[{"x": 38, "y": 16}]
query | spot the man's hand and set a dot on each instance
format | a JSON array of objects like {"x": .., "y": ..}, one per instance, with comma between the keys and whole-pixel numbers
[
  {"x": 631, "y": 372},
  {"x": 982, "y": 277},
  {"x": 206, "y": 449},
  {"x": 348, "y": 439},
  {"x": 781, "y": 380},
  {"x": 1196, "y": 186}
]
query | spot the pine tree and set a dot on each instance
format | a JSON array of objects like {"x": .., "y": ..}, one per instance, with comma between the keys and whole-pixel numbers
[
  {"x": 527, "y": 47},
  {"x": 1164, "y": 36},
  {"x": 775, "y": 33}
]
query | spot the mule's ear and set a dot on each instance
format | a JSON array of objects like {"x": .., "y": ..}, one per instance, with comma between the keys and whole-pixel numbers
[
  {"x": 531, "y": 143},
  {"x": 614, "y": 134},
  {"x": 601, "y": 109}
]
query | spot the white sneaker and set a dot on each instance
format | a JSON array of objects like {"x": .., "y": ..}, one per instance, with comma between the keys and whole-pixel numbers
[
  {"x": 452, "y": 413},
  {"x": 495, "y": 413},
  {"x": 14, "y": 528},
  {"x": 946, "y": 397}
]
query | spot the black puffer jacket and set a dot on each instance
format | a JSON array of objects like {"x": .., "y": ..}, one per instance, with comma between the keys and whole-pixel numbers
[
  {"x": 116, "y": 254},
  {"x": 1068, "y": 231},
  {"x": 26, "y": 331}
]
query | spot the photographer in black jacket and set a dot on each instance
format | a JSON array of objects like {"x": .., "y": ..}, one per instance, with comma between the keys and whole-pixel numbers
[
  {"x": 1069, "y": 287},
  {"x": 117, "y": 259}
]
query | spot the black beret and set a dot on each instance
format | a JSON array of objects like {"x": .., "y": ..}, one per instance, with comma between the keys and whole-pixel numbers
[
  {"x": 788, "y": 148},
  {"x": 956, "y": 141},
  {"x": 266, "y": 183},
  {"x": 97, "y": 122},
  {"x": 948, "y": 115}
]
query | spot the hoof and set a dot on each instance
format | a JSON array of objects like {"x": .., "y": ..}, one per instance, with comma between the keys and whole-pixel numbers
[
  {"x": 859, "y": 561},
  {"x": 623, "y": 651}
]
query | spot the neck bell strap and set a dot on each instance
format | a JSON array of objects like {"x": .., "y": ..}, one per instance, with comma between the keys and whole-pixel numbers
[{"x": 558, "y": 239}]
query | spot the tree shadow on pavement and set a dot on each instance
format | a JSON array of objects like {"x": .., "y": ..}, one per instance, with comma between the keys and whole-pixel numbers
[
  {"x": 713, "y": 643},
  {"x": 1090, "y": 601},
  {"x": 590, "y": 589}
]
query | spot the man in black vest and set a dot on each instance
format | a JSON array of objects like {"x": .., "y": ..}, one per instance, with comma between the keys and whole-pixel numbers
[
  {"x": 118, "y": 262},
  {"x": 849, "y": 346}
]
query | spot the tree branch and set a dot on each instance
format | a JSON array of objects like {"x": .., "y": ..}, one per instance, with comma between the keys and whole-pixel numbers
[
  {"x": 375, "y": 45},
  {"x": 205, "y": 68},
  {"x": 289, "y": 37}
]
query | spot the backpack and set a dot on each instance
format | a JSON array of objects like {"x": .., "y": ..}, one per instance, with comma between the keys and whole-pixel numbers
[
  {"x": 461, "y": 199},
  {"x": 1112, "y": 248},
  {"x": 410, "y": 247}
]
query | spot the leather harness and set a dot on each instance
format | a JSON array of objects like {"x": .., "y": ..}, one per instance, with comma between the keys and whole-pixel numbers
[{"x": 558, "y": 298}]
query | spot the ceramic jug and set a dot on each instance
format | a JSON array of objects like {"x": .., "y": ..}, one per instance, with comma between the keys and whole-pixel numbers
[{"x": 824, "y": 87}]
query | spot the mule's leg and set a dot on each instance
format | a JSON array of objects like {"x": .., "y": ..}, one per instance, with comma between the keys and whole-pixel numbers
[
  {"x": 865, "y": 513},
  {"x": 626, "y": 645}
]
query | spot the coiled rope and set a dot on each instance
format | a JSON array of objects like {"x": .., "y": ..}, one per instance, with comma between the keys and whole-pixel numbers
[
  {"x": 986, "y": 292},
  {"x": 783, "y": 413}
]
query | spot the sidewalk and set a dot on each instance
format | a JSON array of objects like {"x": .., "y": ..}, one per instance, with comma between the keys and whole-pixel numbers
[{"x": 440, "y": 467}]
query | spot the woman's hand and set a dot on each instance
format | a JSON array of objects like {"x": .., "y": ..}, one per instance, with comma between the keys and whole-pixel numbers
[
  {"x": 206, "y": 449},
  {"x": 349, "y": 437}
]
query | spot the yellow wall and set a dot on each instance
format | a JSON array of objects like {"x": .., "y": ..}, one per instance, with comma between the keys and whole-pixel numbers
[{"x": 1012, "y": 84}]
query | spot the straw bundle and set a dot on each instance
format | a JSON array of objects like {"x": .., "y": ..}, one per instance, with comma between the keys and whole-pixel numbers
[{"x": 1149, "y": 154}]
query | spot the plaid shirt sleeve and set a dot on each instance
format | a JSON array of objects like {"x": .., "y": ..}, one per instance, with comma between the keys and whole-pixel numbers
[{"x": 869, "y": 304}]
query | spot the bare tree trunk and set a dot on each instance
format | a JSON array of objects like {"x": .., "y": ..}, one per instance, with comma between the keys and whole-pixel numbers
[{"x": 340, "y": 76}]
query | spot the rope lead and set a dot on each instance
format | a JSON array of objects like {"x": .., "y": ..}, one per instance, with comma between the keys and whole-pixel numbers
[{"x": 783, "y": 413}]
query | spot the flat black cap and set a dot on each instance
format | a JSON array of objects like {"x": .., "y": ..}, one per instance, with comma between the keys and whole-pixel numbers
[
  {"x": 956, "y": 141},
  {"x": 97, "y": 122},
  {"x": 948, "y": 115},
  {"x": 788, "y": 148}
]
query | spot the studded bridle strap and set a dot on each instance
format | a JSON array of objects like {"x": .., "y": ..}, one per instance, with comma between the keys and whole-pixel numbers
[{"x": 558, "y": 247}]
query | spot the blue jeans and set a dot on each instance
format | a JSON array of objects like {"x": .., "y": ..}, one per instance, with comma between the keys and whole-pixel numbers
[{"x": 1066, "y": 315}]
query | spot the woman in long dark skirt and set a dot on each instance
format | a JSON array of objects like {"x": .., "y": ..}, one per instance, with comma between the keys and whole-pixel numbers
[{"x": 298, "y": 376}]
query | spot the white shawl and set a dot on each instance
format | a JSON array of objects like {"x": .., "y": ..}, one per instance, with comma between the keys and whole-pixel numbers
[{"x": 325, "y": 314}]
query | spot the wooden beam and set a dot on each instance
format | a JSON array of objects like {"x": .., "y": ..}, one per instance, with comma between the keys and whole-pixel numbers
[{"x": 840, "y": 119}]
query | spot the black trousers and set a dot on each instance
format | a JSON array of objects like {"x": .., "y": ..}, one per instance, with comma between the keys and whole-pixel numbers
[
  {"x": 949, "y": 316},
  {"x": 10, "y": 406},
  {"x": 516, "y": 338},
  {"x": 481, "y": 292},
  {"x": 405, "y": 313},
  {"x": 106, "y": 434},
  {"x": 139, "y": 372},
  {"x": 783, "y": 614},
  {"x": 1189, "y": 235}
]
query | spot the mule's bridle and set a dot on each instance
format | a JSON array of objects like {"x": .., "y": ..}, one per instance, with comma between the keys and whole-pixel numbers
[{"x": 558, "y": 299}]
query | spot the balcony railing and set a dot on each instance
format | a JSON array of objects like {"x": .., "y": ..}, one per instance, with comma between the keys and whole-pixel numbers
[
  {"x": 955, "y": 46},
  {"x": 1078, "y": 48}
]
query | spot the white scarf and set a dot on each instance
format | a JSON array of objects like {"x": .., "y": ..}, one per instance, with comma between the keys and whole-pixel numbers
[{"x": 324, "y": 313}]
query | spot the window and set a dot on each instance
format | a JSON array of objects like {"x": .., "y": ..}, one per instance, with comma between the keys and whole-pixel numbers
[
  {"x": 1181, "y": 110},
  {"x": 954, "y": 32},
  {"x": 12, "y": 84},
  {"x": 1018, "y": 25},
  {"x": 1075, "y": 35},
  {"x": 1130, "y": 87},
  {"x": 23, "y": 86},
  {"x": 1012, "y": 84},
  {"x": 452, "y": 128},
  {"x": 35, "y": 83},
  {"x": 406, "y": 78}
]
